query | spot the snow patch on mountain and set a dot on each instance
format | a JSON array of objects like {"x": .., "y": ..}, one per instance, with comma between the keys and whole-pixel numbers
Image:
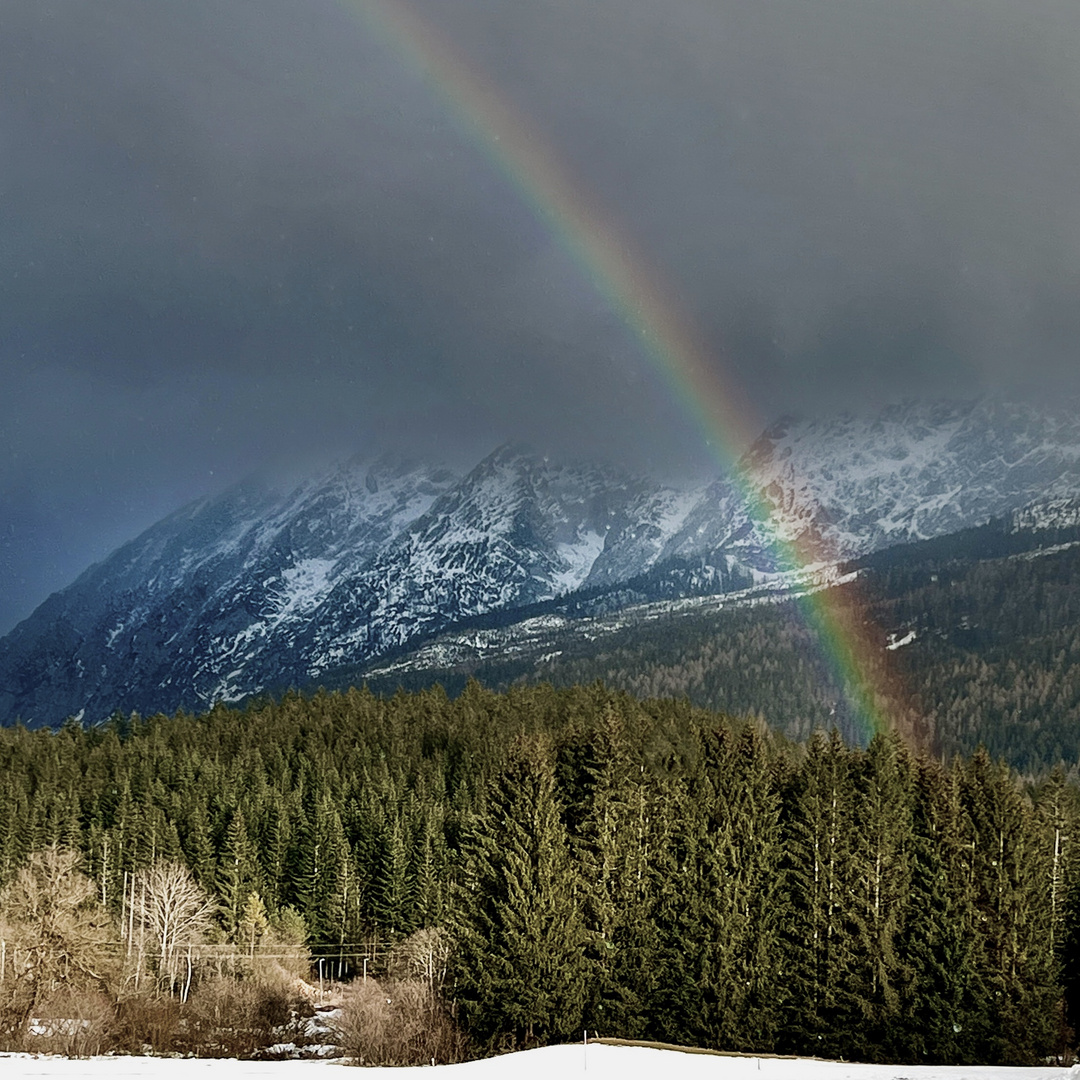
[
  {"x": 578, "y": 559},
  {"x": 1047, "y": 514},
  {"x": 848, "y": 486},
  {"x": 299, "y": 589}
]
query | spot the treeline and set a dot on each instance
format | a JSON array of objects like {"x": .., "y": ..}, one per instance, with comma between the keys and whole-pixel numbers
[{"x": 639, "y": 869}]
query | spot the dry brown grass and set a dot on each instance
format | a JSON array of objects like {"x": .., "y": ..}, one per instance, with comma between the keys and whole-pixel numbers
[
  {"x": 398, "y": 1022},
  {"x": 223, "y": 1017},
  {"x": 232, "y": 1018},
  {"x": 146, "y": 1024},
  {"x": 74, "y": 1023}
]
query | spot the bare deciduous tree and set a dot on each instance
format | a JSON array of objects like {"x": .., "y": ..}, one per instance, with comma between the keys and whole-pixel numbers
[
  {"x": 422, "y": 956},
  {"x": 57, "y": 936},
  {"x": 174, "y": 911}
]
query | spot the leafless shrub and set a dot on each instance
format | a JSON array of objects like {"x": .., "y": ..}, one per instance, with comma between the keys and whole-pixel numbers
[
  {"x": 11, "y": 1025},
  {"x": 398, "y": 1022},
  {"x": 56, "y": 940},
  {"x": 74, "y": 1023},
  {"x": 145, "y": 1023},
  {"x": 233, "y": 1018},
  {"x": 215, "y": 1020},
  {"x": 422, "y": 956}
]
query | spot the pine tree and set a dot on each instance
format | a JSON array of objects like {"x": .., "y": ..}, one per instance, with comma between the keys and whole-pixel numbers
[
  {"x": 616, "y": 845},
  {"x": 272, "y": 849},
  {"x": 323, "y": 879},
  {"x": 747, "y": 857},
  {"x": 237, "y": 870},
  {"x": 673, "y": 1000},
  {"x": 722, "y": 922},
  {"x": 430, "y": 870},
  {"x": 882, "y": 842},
  {"x": 1064, "y": 815},
  {"x": 252, "y": 923},
  {"x": 1015, "y": 959},
  {"x": 197, "y": 846},
  {"x": 394, "y": 887}
]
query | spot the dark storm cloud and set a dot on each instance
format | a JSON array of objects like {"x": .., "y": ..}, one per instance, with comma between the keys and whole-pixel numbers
[
  {"x": 234, "y": 231},
  {"x": 903, "y": 163}
]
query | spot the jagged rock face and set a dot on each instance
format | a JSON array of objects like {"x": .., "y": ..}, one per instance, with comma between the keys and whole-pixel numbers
[
  {"x": 209, "y": 600},
  {"x": 256, "y": 590},
  {"x": 515, "y": 531},
  {"x": 845, "y": 487}
]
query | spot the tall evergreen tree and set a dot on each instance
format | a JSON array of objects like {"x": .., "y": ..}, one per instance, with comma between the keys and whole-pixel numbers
[
  {"x": 882, "y": 841},
  {"x": 824, "y": 1005},
  {"x": 321, "y": 876},
  {"x": 616, "y": 846},
  {"x": 1015, "y": 960},
  {"x": 939, "y": 989},
  {"x": 393, "y": 889},
  {"x": 520, "y": 957},
  {"x": 237, "y": 875}
]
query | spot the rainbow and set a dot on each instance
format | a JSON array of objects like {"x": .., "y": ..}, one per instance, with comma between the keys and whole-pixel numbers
[{"x": 676, "y": 351}]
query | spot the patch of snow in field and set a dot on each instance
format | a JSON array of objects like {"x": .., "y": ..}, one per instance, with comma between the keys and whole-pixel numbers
[{"x": 596, "y": 1061}]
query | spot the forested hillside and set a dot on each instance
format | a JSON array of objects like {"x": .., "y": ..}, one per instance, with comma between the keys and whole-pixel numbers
[
  {"x": 642, "y": 869},
  {"x": 990, "y": 652}
]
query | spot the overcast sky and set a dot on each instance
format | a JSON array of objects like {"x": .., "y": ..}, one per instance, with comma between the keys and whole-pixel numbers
[{"x": 241, "y": 232}]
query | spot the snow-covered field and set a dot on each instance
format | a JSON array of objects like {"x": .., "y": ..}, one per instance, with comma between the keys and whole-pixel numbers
[{"x": 597, "y": 1061}]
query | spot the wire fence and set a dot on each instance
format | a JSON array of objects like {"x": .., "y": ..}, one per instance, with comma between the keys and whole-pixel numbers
[{"x": 344, "y": 960}]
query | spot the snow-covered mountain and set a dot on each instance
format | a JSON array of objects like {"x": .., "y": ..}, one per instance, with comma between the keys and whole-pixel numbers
[
  {"x": 257, "y": 590},
  {"x": 913, "y": 471},
  {"x": 516, "y": 530}
]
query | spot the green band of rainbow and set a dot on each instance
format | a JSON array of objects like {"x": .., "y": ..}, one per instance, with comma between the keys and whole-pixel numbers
[{"x": 675, "y": 350}]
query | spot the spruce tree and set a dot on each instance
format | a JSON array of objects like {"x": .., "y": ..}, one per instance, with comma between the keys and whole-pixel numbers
[
  {"x": 393, "y": 888},
  {"x": 616, "y": 847},
  {"x": 237, "y": 870},
  {"x": 939, "y": 986},
  {"x": 747, "y": 855},
  {"x": 882, "y": 843},
  {"x": 520, "y": 960},
  {"x": 824, "y": 1005},
  {"x": 1015, "y": 960}
]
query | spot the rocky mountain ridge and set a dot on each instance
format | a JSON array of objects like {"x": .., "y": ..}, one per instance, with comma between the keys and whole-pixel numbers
[{"x": 257, "y": 590}]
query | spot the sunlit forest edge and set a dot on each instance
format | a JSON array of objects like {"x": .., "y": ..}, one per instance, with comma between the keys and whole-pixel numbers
[{"x": 529, "y": 864}]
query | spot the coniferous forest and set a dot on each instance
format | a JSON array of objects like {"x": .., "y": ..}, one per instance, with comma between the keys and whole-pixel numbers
[{"x": 640, "y": 869}]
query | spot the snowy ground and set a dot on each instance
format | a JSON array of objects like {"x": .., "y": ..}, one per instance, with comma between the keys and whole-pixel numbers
[{"x": 598, "y": 1062}]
